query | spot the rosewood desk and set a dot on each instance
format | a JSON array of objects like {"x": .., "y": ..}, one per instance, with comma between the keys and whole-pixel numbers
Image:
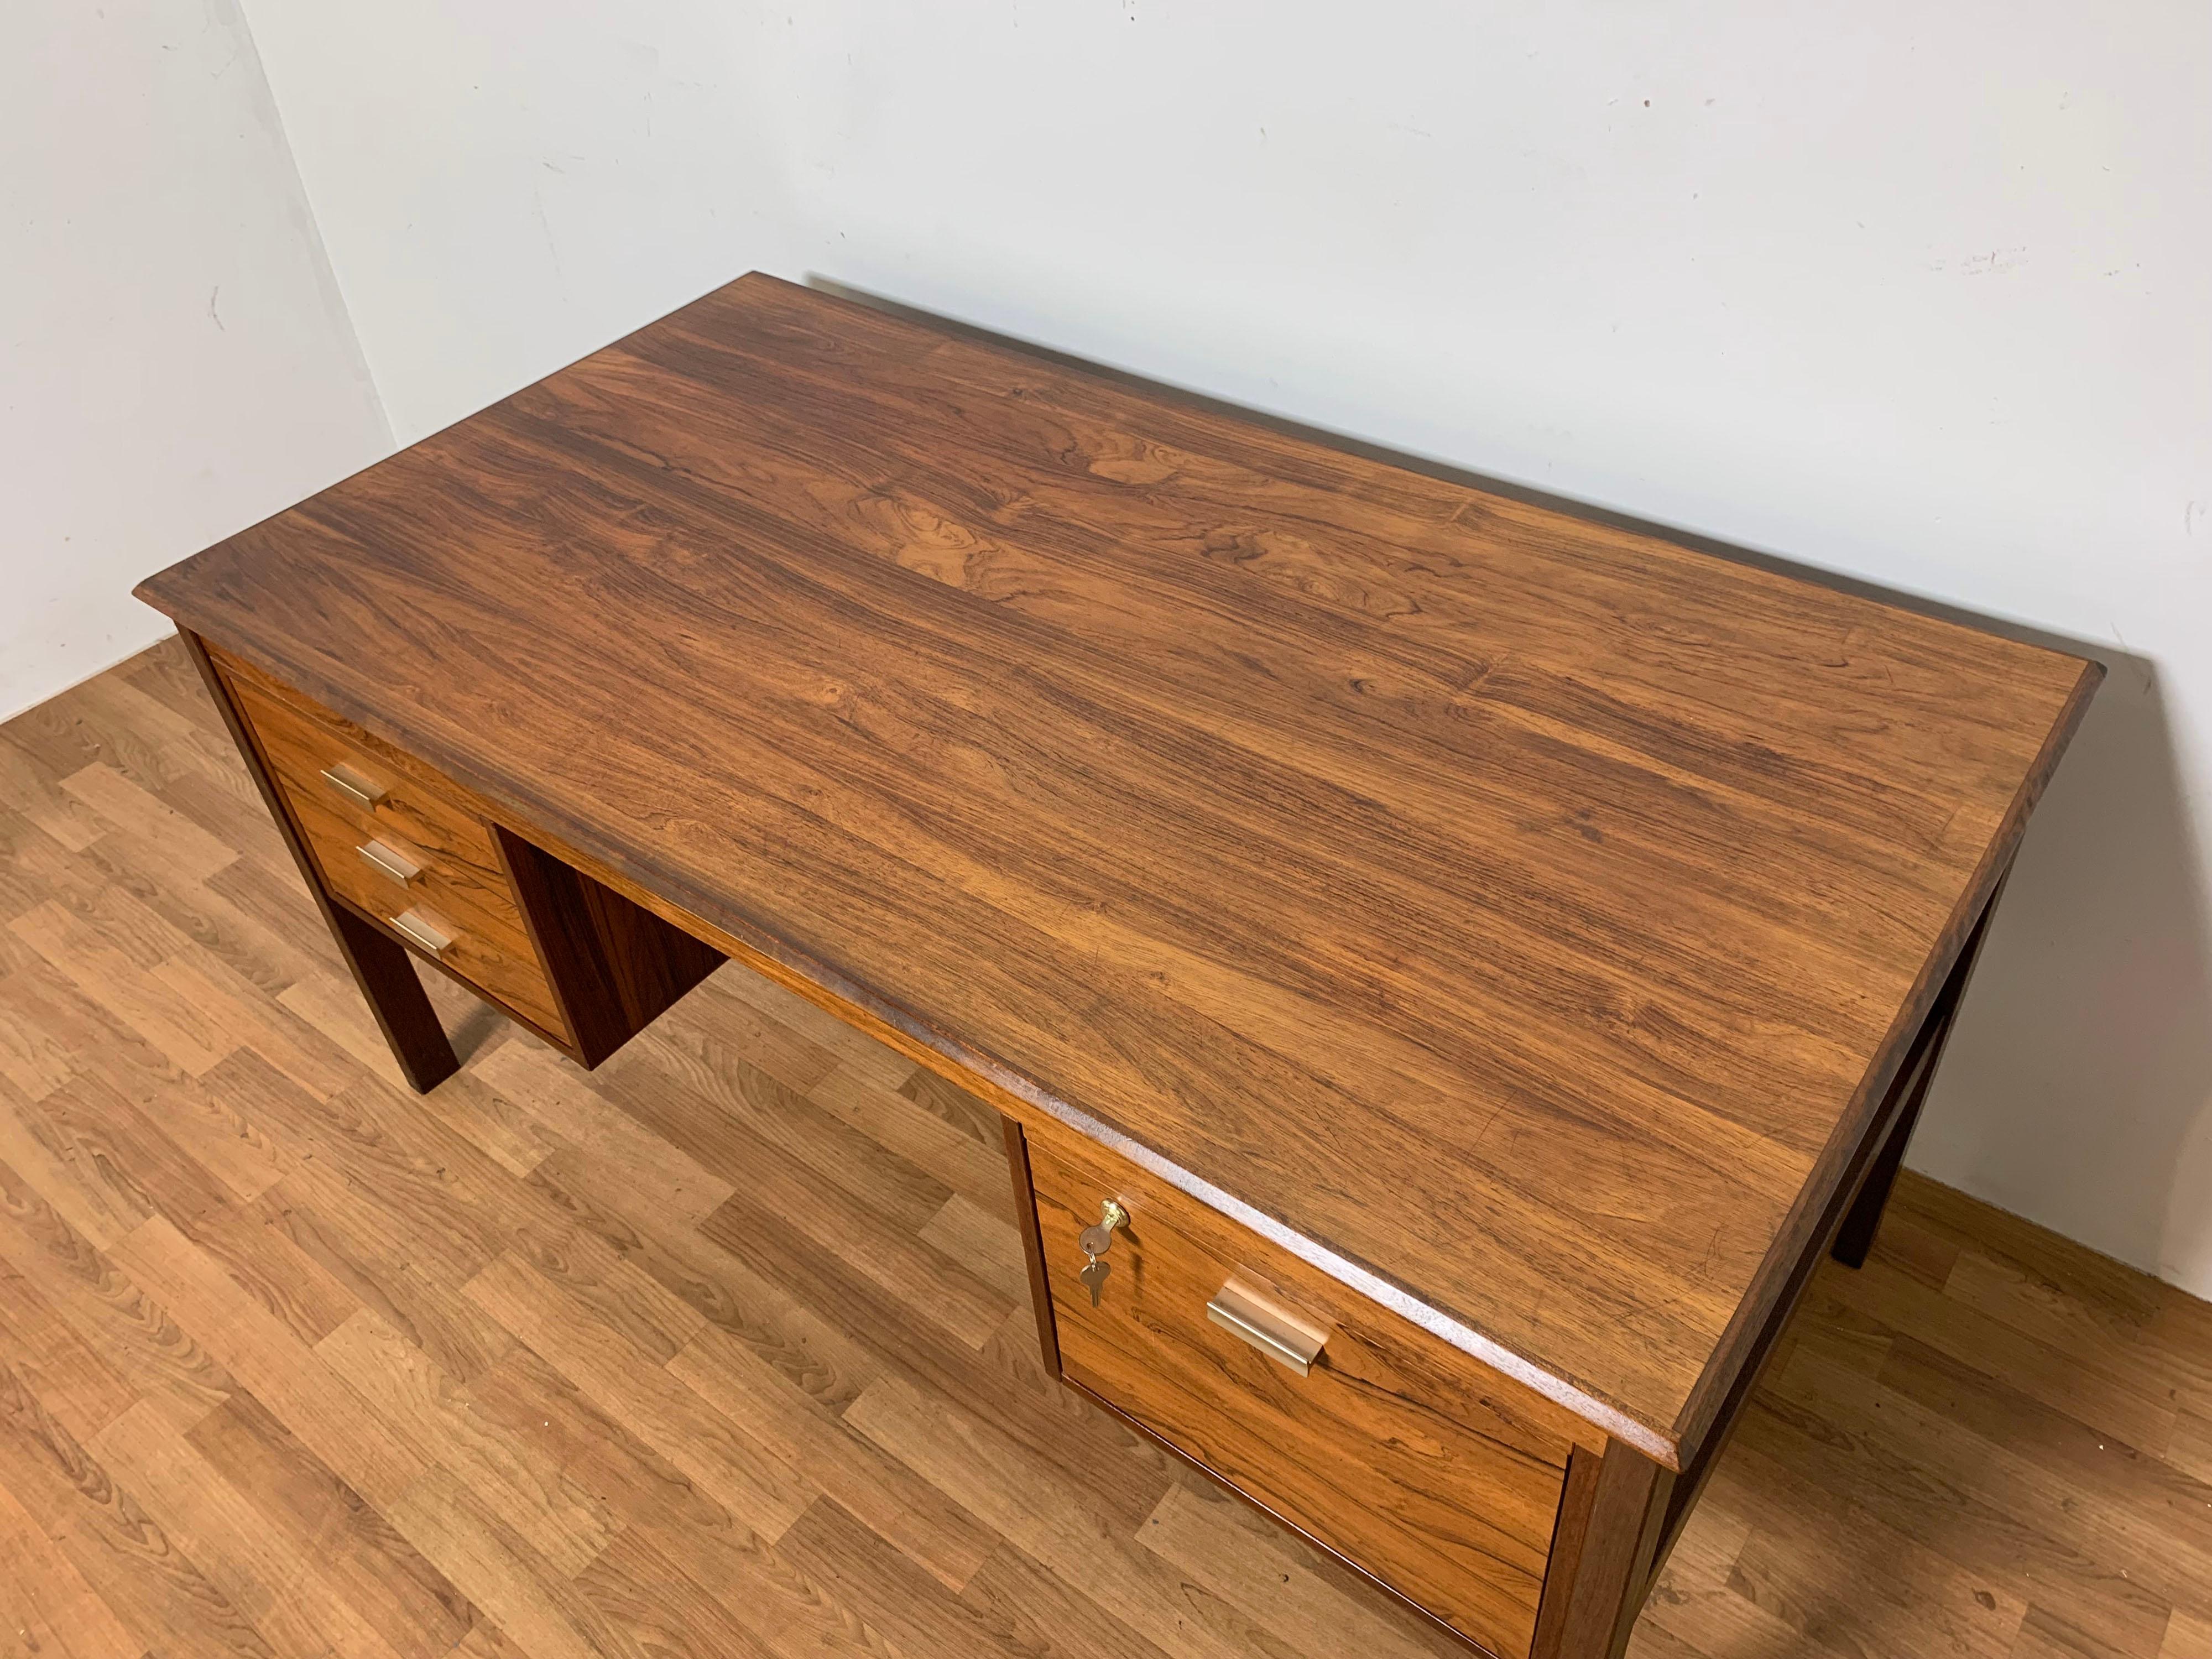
[{"x": 1448, "y": 968}]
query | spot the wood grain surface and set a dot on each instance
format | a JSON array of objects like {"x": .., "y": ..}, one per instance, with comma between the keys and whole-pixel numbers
[
  {"x": 615, "y": 968},
  {"x": 379, "y": 964},
  {"x": 296, "y": 1362},
  {"x": 1417, "y": 1466},
  {"x": 578, "y": 963},
  {"x": 460, "y": 883},
  {"x": 1517, "y": 917}
]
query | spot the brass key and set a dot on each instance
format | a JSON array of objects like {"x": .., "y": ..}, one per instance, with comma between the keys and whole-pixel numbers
[
  {"x": 1094, "y": 1277},
  {"x": 1095, "y": 1242}
]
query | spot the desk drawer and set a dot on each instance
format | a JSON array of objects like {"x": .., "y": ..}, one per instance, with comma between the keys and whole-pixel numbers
[
  {"x": 1413, "y": 1462},
  {"x": 408, "y": 820}
]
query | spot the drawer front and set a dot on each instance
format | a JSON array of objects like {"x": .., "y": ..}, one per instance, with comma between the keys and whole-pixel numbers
[
  {"x": 457, "y": 887},
  {"x": 1420, "y": 1465}
]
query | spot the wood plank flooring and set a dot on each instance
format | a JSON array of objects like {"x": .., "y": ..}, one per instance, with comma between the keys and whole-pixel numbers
[{"x": 725, "y": 1350}]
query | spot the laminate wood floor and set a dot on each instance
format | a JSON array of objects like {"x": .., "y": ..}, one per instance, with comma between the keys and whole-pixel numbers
[{"x": 724, "y": 1349}]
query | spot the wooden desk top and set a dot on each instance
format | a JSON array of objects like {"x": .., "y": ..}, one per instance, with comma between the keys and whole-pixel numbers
[{"x": 1517, "y": 917}]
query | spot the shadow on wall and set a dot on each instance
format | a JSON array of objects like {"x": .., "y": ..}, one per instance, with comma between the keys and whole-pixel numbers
[
  {"x": 2077, "y": 1090},
  {"x": 2077, "y": 1087}
]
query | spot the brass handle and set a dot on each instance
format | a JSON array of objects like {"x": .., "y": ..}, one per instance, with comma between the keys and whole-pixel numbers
[
  {"x": 1282, "y": 1336},
  {"x": 363, "y": 792},
  {"x": 385, "y": 862},
  {"x": 418, "y": 930}
]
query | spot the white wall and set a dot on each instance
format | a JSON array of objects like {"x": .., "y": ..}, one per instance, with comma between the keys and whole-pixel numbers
[
  {"x": 1914, "y": 293},
  {"x": 175, "y": 362},
  {"x": 505, "y": 186}
]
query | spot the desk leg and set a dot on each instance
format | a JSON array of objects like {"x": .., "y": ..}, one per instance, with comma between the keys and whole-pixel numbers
[
  {"x": 1612, "y": 1519},
  {"x": 1855, "y": 1237},
  {"x": 393, "y": 991},
  {"x": 1849, "y": 1222},
  {"x": 381, "y": 968}
]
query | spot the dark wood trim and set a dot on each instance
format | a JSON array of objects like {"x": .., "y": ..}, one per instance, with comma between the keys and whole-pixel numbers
[
  {"x": 614, "y": 967},
  {"x": 381, "y": 966},
  {"x": 1604, "y": 1554},
  {"x": 1284, "y": 1521},
  {"x": 1025, "y": 1218},
  {"x": 1569, "y": 1535}
]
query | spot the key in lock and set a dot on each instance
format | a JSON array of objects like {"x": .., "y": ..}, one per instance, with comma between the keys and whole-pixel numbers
[{"x": 1095, "y": 1241}]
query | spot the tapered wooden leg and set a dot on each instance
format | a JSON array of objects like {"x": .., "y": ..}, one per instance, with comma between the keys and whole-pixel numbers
[
  {"x": 395, "y": 995},
  {"x": 388, "y": 979}
]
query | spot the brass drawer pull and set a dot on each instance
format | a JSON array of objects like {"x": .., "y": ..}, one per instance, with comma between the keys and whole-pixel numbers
[
  {"x": 361, "y": 791},
  {"x": 385, "y": 862},
  {"x": 1276, "y": 1331},
  {"x": 417, "y": 930}
]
